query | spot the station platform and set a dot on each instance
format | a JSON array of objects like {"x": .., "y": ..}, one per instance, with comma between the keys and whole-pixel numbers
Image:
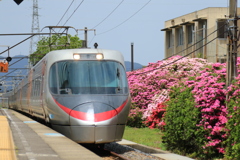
[{"x": 22, "y": 138}]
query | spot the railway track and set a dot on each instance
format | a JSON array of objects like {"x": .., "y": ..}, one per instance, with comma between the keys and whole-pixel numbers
[
  {"x": 104, "y": 153},
  {"x": 115, "y": 151}
]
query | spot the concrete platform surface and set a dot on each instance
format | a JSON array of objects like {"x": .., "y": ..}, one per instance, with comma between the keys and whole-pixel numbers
[{"x": 34, "y": 141}]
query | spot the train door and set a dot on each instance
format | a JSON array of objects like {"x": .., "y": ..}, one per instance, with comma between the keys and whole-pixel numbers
[
  {"x": 42, "y": 92},
  {"x": 20, "y": 97}
]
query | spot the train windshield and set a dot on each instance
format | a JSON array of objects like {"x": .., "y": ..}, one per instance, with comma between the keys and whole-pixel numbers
[{"x": 88, "y": 77}]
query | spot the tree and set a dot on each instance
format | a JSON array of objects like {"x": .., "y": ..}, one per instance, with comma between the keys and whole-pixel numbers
[{"x": 55, "y": 42}]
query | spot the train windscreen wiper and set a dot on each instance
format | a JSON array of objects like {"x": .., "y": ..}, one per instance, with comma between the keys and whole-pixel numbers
[{"x": 118, "y": 80}]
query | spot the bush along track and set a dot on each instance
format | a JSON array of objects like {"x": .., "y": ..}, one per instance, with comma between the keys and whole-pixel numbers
[
  {"x": 187, "y": 101},
  {"x": 233, "y": 126}
]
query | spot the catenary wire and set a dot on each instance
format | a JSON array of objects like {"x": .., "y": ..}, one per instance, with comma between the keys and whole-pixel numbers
[
  {"x": 91, "y": 40},
  {"x": 65, "y": 12},
  {"x": 105, "y": 19},
  {"x": 176, "y": 59},
  {"x": 108, "y": 14},
  {"x": 194, "y": 43},
  {"x": 127, "y": 18},
  {"x": 73, "y": 12},
  {"x": 182, "y": 56},
  {"x": 120, "y": 23}
]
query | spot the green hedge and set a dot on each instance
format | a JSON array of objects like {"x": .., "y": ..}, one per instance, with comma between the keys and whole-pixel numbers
[
  {"x": 233, "y": 125},
  {"x": 181, "y": 133}
]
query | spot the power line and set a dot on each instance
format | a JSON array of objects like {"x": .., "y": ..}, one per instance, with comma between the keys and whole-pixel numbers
[
  {"x": 91, "y": 40},
  {"x": 109, "y": 14},
  {"x": 65, "y": 12},
  {"x": 196, "y": 42},
  {"x": 105, "y": 19},
  {"x": 176, "y": 59},
  {"x": 184, "y": 55},
  {"x": 73, "y": 12},
  {"x": 127, "y": 18}
]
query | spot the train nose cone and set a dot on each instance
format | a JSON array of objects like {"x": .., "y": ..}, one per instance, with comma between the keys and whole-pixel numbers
[
  {"x": 94, "y": 122},
  {"x": 91, "y": 113}
]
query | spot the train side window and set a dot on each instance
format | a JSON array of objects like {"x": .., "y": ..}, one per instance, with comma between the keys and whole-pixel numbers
[
  {"x": 33, "y": 88},
  {"x": 39, "y": 85}
]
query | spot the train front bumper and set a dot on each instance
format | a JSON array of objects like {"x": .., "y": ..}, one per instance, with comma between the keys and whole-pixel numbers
[
  {"x": 92, "y": 134},
  {"x": 95, "y": 122},
  {"x": 97, "y": 134}
]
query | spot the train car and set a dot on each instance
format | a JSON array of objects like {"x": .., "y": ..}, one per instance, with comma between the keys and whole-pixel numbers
[{"x": 81, "y": 93}]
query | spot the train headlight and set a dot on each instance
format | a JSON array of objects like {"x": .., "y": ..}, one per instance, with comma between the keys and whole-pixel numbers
[
  {"x": 99, "y": 56},
  {"x": 92, "y": 56},
  {"x": 76, "y": 56}
]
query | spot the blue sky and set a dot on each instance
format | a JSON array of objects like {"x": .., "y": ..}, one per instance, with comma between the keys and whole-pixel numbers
[{"x": 133, "y": 21}]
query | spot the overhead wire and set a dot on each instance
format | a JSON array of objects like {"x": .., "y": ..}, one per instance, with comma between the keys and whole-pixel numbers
[
  {"x": 70, "y": 15},
  {"x": 58, "y": 23},
  {"x": 126, "y": 19},
  {"x": 182, "y": 51},
  {"x": 65, "y": 13},
  {"x": 74, "y": 12},
  {"x": 191, "y": 45},
  {"x": 108, "y": 15},
  {"x": 105, "y": 19},
  {"x": 91, "y": 40}
]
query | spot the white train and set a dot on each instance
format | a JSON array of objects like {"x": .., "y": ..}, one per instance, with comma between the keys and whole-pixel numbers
[{"x": 81, "y": 93}]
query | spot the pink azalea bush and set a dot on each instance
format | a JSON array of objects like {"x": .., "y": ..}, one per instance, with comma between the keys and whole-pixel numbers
[
  {"x": 233, "y": 126},
  {"x": 210, "y": 95},
  {"x": 150, "y": 86},
  {"x": 154, "y": 113},
  {"x": 149, "y": 82}
]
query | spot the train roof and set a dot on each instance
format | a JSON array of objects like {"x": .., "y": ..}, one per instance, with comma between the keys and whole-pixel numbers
[
  {"x": 57, "y": 55},
  {"x": 61, "y": 54}
]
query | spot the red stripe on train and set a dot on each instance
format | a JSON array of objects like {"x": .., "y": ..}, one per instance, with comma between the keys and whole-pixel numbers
[{"x": 98, "y": 117}]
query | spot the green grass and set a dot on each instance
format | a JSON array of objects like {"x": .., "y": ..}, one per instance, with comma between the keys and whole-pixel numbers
[{"x": 145, "y": 136}]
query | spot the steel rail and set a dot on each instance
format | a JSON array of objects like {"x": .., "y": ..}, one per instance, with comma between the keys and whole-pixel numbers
[{"x": 118, "y": 155}]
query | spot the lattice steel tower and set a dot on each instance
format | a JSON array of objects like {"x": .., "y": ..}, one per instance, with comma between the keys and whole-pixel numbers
[{"x": 35, "y": 26}]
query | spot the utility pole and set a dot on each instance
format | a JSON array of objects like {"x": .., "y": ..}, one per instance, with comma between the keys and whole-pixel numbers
[
  {"x": 132, "y": 61},
  {"x": 86, "y": 36},
  {"x": 233, "y": 43}
]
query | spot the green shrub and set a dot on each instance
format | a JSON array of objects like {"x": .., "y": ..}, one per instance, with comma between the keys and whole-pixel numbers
[
  {"x": 181, "y": 133},
  {"x": 233, "y": 125}
]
